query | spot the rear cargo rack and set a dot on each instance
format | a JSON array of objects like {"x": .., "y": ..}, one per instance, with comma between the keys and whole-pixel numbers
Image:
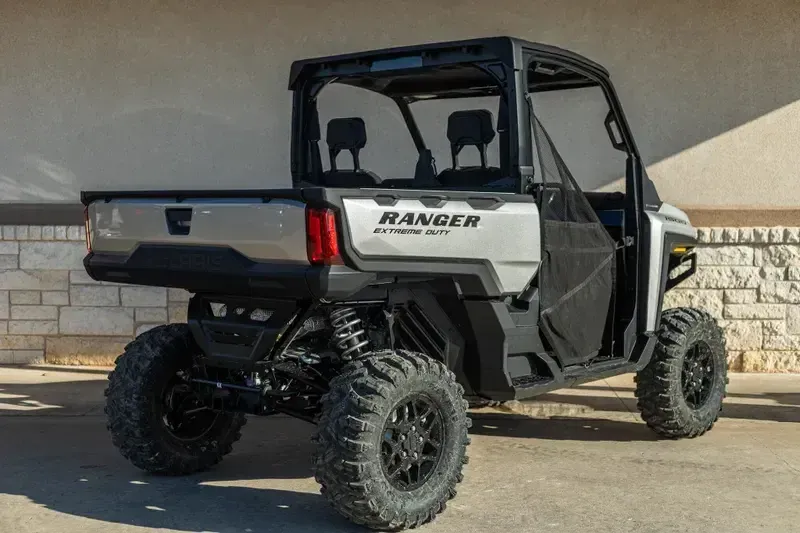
[{"x": 236, "y": 333}]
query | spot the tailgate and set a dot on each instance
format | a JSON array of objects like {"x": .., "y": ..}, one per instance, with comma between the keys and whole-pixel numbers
[
  {"x": 261, "y": 230},
  {"x": 236, "y": 243}
]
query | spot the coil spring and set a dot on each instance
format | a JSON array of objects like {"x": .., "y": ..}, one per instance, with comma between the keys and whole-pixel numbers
[{"x": 349, "y": 337}]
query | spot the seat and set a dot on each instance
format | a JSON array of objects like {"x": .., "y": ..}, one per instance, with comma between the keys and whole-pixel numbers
[
  {"x": 470, "y": 128},
  {"x": 347, "y": 134}
]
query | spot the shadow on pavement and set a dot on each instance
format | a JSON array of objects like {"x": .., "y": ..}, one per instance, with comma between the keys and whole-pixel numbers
[
  {"x": 558, "y": 428},
  {"x": 61, "y": 398},
  {"x": 786, "y": 410},
  {"x": 68, "y": 465},
  {"x": 787, "y": 398},
  {"x": 65, "y": 369}
]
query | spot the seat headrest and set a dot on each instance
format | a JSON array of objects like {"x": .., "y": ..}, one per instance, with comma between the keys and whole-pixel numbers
[
  {"x": 346, "y": 134},
  {"x": 470, "y": 128}
]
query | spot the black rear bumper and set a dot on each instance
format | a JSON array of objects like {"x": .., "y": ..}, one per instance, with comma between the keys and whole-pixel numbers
[{"x": 222, "y": 270}]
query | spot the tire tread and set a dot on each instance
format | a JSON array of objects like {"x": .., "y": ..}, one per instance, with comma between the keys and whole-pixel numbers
[
  {"x": 129, "y": 400},
  {"x": 658, "y": 396},
  {"x": 350, "y": 416}
]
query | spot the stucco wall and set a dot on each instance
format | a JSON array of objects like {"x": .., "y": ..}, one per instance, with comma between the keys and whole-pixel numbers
[{"x": 192, "y": 94}]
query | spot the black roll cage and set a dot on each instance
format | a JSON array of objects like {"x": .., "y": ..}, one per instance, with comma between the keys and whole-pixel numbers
[
  {"x": 307, "y": 116},
  {"x": 506, "y": 61}
]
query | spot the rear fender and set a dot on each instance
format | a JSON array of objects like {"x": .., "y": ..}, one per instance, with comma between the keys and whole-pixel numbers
[{"x": 489, "y": 242}]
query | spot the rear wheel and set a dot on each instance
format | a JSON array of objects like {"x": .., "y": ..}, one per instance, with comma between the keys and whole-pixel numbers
[
  {"x": 154, "y": 416},
  {"x": 681, "y": 390},
  {"x": 391, "y": 441}
]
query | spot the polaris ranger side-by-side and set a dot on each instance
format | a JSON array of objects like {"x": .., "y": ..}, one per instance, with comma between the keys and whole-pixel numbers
[{"x": 377, "y": 307}]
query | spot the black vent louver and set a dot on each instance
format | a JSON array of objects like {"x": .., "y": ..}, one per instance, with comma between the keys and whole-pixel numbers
[{"x": 415, "y": 332}]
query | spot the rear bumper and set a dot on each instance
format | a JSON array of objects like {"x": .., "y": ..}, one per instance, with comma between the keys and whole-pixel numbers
[{"x": 221, "y": 270}]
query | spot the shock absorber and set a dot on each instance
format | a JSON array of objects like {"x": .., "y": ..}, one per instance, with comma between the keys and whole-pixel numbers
[{"x": 348, "y": 335}]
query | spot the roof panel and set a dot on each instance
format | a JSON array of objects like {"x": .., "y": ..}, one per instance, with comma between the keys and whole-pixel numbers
[{"x": 502, "y": 48}]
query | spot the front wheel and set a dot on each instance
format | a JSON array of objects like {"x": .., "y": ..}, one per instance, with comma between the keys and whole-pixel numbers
[
  {"x": 391, "y": 440},
  {"x": 155, "y": 419},
  {"x": 680, "y": 391}
]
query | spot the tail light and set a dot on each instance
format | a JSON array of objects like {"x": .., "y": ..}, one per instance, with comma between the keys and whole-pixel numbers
[
  {"x": 88, "y": 229},
  {"x": 322, "y": 237}
]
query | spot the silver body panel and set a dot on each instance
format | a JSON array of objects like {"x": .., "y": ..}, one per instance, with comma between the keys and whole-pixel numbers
[
  {"x": 261, "y": 231},
  {"x": 668, "y": 220},
  {"x": 507, "y": 238}
]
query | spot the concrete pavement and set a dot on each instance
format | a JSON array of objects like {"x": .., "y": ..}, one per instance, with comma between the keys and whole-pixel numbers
[{"x": 592, "y": 466}]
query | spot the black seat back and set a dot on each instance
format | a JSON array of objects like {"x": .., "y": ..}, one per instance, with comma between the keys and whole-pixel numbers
[
  {"x": 347, "y": 134},
  {"x": 470, "y": 128}
]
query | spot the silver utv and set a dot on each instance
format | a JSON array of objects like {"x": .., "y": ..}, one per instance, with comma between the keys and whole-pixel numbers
[{"x": 377, "y": 306}]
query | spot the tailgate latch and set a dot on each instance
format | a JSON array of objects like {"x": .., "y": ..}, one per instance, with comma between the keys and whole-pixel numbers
[{"x": 179, "y": 220}]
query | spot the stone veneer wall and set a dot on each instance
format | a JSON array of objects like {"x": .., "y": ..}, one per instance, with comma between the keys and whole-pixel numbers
[
  {"x": 51, "y": 311},
  {"x": 749, "y": 278}
]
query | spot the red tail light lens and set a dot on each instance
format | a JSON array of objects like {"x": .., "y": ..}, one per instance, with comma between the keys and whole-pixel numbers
[{"x": 323, "y": 239}]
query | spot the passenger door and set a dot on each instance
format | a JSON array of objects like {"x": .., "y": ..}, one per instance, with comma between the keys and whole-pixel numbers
[{"x": 577, "y": 273}]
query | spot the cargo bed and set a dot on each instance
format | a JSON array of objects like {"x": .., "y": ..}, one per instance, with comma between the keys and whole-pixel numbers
[{"x": 247, "y": 243}]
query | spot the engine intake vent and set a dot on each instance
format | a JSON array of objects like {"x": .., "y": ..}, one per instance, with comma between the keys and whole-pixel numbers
[{"x": 416, "y": 332}]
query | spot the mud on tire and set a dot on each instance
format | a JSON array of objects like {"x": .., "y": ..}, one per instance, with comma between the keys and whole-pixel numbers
[
  {"x": 135, "y": 407},
  {"x": 357, "y": 436},
  {"x": 680, "y": 391}
]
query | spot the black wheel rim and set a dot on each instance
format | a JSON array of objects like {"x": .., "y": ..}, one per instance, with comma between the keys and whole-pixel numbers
[
  {"x": 183, "y": 413},
  {"x": 413, "y": 437},
  {"x": 699, "y": 371}
]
